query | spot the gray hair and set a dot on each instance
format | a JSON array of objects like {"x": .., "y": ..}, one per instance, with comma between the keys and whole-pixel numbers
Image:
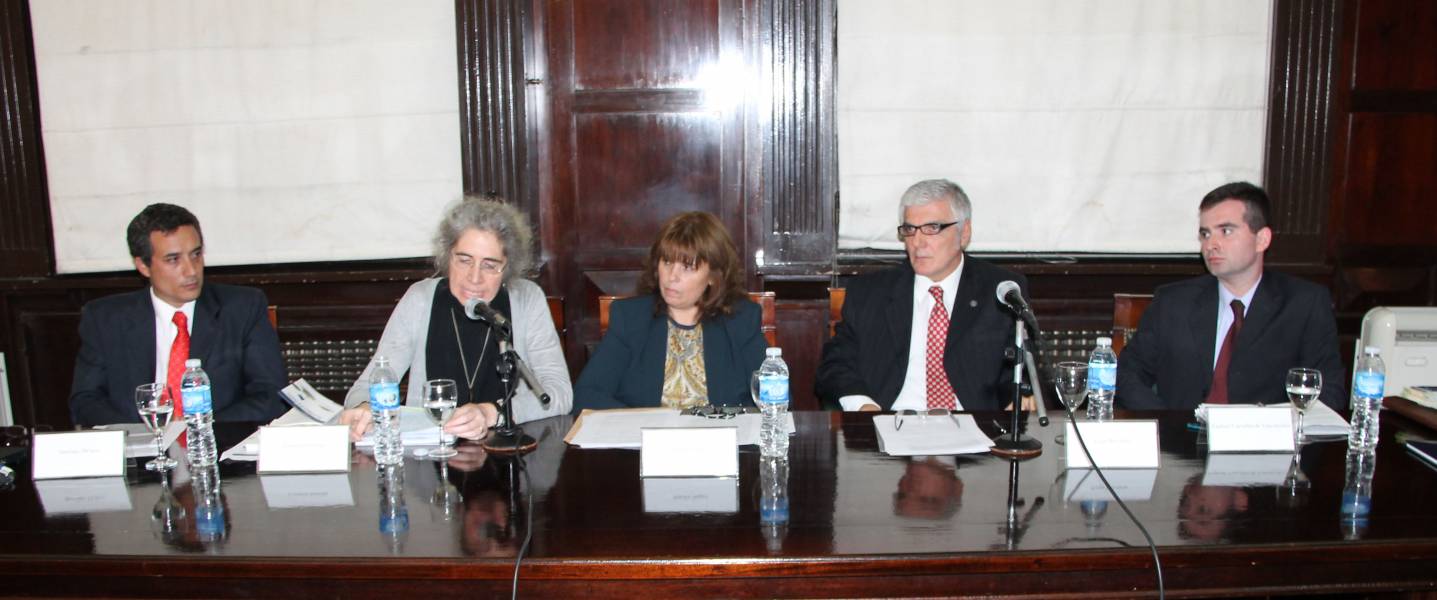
[
  {"x": 932, "y": 190},
  {"x": 487, "y": 213}
]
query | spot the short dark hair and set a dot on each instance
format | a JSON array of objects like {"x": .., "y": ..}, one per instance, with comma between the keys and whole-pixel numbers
[
  {"x": 164, "y": 218},
  {"x": 1253, "y": 199},
  {"x": 697, "y": 238}
]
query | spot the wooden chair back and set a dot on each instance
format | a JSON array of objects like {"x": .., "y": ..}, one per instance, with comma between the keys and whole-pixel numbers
[
  {"x": 1127, "y": 313},
  {"x": 835, "y": 307},
  {"x": 766, "y": 301}
]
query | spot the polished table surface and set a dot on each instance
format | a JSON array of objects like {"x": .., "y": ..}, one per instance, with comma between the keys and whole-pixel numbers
[{"x": 860, "y": 523}]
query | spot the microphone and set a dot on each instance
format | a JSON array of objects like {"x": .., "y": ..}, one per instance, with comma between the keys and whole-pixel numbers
[
  {"x": 1011, "y": 296},
  {"x": 526, "y": 374},
  {"x": 478, "y": 310}
]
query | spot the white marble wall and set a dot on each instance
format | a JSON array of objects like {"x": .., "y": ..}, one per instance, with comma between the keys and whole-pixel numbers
[
  {"x": 296, "y": 131},
  {"x": 1078, "y": 125}
]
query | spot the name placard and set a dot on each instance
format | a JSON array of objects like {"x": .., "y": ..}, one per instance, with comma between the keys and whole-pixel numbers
[
  {"x": 1114, "y": 444},
  {"x": 1133, "y": 485},
  {"x": 303, "y": 449},
  {"x": 307, "y": 491},
  {"x": 1238, "y": 470},
  {"x": 688, "y": 452},
  {"x": 691, "y": 495},
  {"x": 1237, "y": 428},
  {"x": 72, "y": 496},
  {"x": 98, "y": 453}
]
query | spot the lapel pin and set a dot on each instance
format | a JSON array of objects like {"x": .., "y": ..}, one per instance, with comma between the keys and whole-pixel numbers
[{"x": 972, "y": 304}]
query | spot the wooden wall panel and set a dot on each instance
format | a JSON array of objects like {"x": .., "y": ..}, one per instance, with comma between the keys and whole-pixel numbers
[
  {"x": 1396, "y": 43},
  {"x": 24, "y": 196},
  {"x": 1392, "y": 179},
  {"x": 639, "y": 44},
  {"x": 492, "y": 98}
]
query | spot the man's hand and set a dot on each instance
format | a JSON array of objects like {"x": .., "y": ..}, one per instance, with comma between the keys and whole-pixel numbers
[
  {"x": 472, "y": 421},
  {"x": 358, "y": 419},
  {"x": 869, "y": 408}
]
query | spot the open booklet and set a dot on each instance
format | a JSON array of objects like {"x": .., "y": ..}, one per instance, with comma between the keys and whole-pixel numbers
[
  {"x": 621, "y": 427},
  {"x": 1320, "y": 420}
]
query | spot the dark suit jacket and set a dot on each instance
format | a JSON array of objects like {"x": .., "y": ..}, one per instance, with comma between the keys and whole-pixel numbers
[
  {"x": 868, "y": 353},
  {"x": 231, "y": 335},
  {"x": 627, "y": 370},
  {"x": 1168, "y": 364}
]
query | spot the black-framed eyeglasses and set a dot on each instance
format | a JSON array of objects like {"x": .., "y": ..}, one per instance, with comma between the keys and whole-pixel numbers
[
  {"x": 919, "y": 415},
  {"x": 906, "y": 230},
  {"x": 710, "y": 411}
]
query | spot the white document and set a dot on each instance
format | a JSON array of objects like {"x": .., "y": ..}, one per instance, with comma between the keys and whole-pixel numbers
[
  {"x": 98, "y": 494},
  {"x": 1127, "y": 444},
  {"x": 1132, "y": 485},
  {"x": 931, "y": 436},
  {"x": 690, "y": 494},
  {"x": 1246, "y": 428},
  {"x": 139, "y": 442},
  {"x": 415, "y": 429},
  {"x": 688, "y": 452},
  {"x": 1246, "y": 469},
  {"x": 248, "y": 449},
  {"x": 298, "y": 491},
  {"x": 620, "y": 428},
  {"x": 312, "y": 449},
  {"x": 94, "y": 453},
  {"x": 1320, "y": 419},
  {"x": 309, "y": 401}
]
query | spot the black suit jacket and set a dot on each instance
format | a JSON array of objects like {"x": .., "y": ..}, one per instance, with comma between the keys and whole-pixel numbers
[
  {"x": 868, "y": 353},
  {"x": 1168, "y": 365},
  {"x": 627, "y": 370},
  {"x": 231, "y": 335}
]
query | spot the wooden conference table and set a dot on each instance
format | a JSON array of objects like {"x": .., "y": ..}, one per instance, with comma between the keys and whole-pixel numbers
[{"x": 860, "y": 524}]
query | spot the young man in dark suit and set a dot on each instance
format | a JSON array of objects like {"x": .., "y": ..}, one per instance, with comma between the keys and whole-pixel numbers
[
  {"x": 929, "y": 333},
  {"x": 145, "y": 336},
  {"x": 1231, "y": 336}
]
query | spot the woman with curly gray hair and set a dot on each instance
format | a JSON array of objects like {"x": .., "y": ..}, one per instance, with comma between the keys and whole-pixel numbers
[{"x": 483, "y": 250}]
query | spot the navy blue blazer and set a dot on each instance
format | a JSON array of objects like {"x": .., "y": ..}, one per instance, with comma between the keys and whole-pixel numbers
[
  {"x": 1168, "y": 364},
  {"x": 231, "y": 335},
  {"x": 627, "y": 370}
]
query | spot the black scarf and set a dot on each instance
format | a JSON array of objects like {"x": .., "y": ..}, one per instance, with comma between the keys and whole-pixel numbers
[{"x": 442, "y": 353}]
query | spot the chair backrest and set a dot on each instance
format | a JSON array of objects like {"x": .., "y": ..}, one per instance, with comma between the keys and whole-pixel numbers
[
  {"x": 835, "y": 307},
  {"x": 556, "y": 312},
  {"x": 274, "y": 317},
  {"x": 766, "y": 302},
  {"x": 1127, "y": 313}
]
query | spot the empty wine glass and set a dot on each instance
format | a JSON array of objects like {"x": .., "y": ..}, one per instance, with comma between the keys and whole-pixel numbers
[
  {"x": 1071, "y": 379},
  {"x": 155, "y": 406},
  {"x": 1303, "y": 386},
  {"x": 441, "y": 396}
]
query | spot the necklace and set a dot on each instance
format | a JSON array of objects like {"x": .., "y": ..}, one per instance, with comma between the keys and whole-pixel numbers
[{"x": 463, "y": 363}]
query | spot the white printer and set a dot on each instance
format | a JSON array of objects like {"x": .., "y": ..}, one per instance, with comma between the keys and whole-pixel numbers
[{"x": 1407, "y": 336}]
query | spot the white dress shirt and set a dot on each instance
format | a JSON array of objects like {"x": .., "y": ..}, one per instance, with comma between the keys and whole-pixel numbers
[
  {"x": 914, "y": 393},
  {"x": 165, "y": 331},
  {"x": 1224, "y": 313}
]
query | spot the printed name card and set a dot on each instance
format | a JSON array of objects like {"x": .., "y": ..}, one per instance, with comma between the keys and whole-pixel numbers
[
  {"x": 303, "y": 449},
  {"x": 1238, "y": 428},
  {"x": 79, "y": 496},
  {"x": 688, "y": 452},
  {"x": 1132, "y": 485},
  {"x": 691, "y": 495},
  {"x": 304, "y": 491},
  {"x": 1114, "y": 444},
  {"x": 98, "y": 453}
]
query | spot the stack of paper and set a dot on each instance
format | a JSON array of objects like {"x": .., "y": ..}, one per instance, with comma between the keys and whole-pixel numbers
[
  {"x": 620, "y": 428},
  {"x": 931, "y": 436},
  {"x": 1320, "y": 419}
]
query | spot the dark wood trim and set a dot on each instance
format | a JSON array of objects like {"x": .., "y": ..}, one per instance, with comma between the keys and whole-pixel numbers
[
  {"x": 1394, "y": 101},
  {"x": 25, "y": 230},
  {"x": 492, "y": 99},
  {"x": 1298, "y": 161}
]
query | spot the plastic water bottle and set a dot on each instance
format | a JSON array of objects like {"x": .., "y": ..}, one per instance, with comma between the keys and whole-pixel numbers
[
  {"x": 773, "y": 508},
  {"x": 393, "y": 513},
  {"x": 209, "y": 505},
  {"x": 1357, "y": 493},
  {"x": 1368, "y": 384},
  {"x": 1102, "y": 380},
  {"x": 384, "y": 404},
  {"x": 772, "y": 397},
  {"x": 199, "y": 415}
]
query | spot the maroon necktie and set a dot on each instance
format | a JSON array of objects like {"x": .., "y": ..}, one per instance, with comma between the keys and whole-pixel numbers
[
  {"x": 940, "y": 392},
  {"x": 179, "y": 352},
  {"x": 1217, "y": 394}
]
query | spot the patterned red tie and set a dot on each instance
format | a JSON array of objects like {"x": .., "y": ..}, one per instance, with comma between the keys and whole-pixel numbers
[
  {"x": 179, "y": 351},
  {"x": 1217, "y": 394},
  {"x": 940, "y": 392}
]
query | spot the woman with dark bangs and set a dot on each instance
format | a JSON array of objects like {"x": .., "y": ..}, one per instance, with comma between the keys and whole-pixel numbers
[{"x": 691, "y": 338}]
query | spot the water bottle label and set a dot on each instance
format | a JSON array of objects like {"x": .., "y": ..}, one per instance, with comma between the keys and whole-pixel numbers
[
  {"x": 1102, "y": 376},
  {"x": 773, "y": 390},
  {"x": 384, "y": 396},
  {"x": 774, "y": 515},
  {"x": 197, "y": 399},
  {"x": 1369, "y": 385}
]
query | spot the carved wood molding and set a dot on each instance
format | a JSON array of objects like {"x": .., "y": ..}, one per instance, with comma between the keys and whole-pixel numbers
[
  {"x": 24, "y": 196},
  {"x": 492, "y": 100}
]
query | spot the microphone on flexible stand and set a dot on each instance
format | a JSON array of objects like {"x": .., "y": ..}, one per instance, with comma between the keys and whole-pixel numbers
[
  {"x": 508, "y": 437},
  {"x": 478, "y": 310}
]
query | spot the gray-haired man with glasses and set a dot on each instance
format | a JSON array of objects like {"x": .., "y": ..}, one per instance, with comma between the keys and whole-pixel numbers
[{"x": 929, "y": 333}]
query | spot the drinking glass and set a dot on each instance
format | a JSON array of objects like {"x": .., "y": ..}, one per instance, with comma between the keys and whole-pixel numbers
[
  {"x": 155, "y": 406},
  {"x": 1071, "y": 379},
  {"x": 441, "y": 396},
  {"x": 1303, "y": 386}
]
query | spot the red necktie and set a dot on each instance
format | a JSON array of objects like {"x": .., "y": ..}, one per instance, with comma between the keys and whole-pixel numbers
[
  {"x": 179, "y": 352},
  {"x": 1217, "y": 394},
  {"x": 940, "y": 392}
]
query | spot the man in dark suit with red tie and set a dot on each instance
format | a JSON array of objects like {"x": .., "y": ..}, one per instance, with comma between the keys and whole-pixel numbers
[
  {"x": 929, "y": 333},
  {"x": 1231, "y": 336},
  {"x": 146, "y": 335}
]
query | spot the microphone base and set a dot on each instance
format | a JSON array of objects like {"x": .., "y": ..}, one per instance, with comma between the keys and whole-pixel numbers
[
  {"x": 508, "y": 442},
  {"x": 1024, "y": 447}
]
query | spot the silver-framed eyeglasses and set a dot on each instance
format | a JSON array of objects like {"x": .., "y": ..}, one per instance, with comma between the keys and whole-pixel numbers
[
  {"x": 487, "y": 266},
  {"x": 909, "y": 414},
  {"x": 908, "y": 230}
]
